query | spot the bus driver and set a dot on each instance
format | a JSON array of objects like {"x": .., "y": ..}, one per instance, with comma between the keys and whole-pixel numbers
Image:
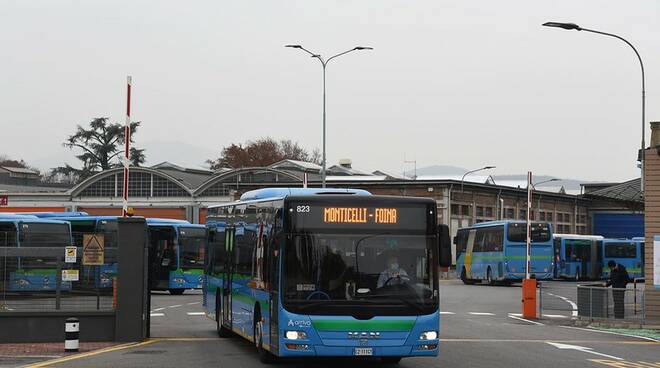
[{"x": 393, "y": 274}]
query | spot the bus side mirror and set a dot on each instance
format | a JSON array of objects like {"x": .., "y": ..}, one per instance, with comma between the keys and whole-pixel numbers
[{"x": 444, "y": 245}]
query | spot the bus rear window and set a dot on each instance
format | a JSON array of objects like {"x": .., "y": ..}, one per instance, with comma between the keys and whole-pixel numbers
[
  {"x": 517, "y": 232},
  {"x": 620, "y": 250}
]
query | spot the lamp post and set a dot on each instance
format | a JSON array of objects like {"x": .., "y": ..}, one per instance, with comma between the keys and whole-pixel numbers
[
  {"x": 474, "y": 171},
  {"x": 324, "y": 63},
  {"x": 573, "y": 26},
  {"x": 543, "y": 182}
]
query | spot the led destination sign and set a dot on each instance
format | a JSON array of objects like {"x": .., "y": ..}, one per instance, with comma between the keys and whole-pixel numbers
[
  {"x": 318, "y": 216},
  {"x": 347, "y": 215}
]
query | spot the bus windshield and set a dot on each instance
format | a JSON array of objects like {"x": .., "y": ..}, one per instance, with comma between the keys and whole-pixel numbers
[
  {"x": 191, "y": 247},
  {"x": 44, "y": 235},
  {"x": 517, "y": 232},
  {"x": 372, "y": 271}
]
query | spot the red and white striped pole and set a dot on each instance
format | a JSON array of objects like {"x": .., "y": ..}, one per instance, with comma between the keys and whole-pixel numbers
[
  {"x": 127, "y": 142},
  {"x": 528, "y": 259}
]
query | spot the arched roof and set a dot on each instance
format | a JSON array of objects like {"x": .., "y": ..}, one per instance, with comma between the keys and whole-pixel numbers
[
  {"x": 246, "y": 170},
  {"x": 78, "y": 189}
]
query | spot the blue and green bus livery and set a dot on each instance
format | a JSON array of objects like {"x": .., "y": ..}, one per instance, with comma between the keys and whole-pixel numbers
[
  {"x": 31, "y": 273},
  {"x": 627, "y": 252},
  {"x": 495, "y": 251},
  {"x": 577, "y": 257},
  {"x": 326, "y": 272}
]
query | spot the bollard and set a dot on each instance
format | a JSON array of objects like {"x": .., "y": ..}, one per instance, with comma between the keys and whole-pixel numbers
[
  {"x": 71, "y": 330},
  {"x": 529, "y": 298}
]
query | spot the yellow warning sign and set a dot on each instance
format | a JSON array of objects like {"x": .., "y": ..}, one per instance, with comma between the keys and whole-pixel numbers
[{"x": 93, "y": 249}]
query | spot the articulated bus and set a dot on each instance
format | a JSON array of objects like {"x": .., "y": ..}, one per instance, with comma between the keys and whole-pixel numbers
[
  {"x": 495, "y": 251},
  {"x": 627, "y": 252},
  {"x": 32, "y": 273},
  {"x": 578, "y": 257},
  {"x": 176, "y": 250},
  {"x": 326, "y": 272}
]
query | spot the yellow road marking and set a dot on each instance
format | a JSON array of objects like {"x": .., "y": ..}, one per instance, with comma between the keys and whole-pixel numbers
[
  {"x": 92, "y": 353},
  {"x": 626, "y": 364}
]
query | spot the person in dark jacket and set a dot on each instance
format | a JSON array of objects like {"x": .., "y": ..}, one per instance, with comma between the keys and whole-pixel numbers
[{"x": 618, "y": 280}]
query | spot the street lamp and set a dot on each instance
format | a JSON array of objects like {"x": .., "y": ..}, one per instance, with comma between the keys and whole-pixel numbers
[
  {"x": 474, "y": 171},
  {"x": 324, "y": 63},
  {"x": 543, "y": 182},
  {"x": 573, "y": 26}
]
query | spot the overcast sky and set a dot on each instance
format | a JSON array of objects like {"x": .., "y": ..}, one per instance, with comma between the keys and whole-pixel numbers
[{"x": 464, "y": 83}]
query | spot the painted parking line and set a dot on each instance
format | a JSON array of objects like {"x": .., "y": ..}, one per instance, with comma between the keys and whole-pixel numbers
[
  {"x": 482, "y": 314},
  {"x": 554, "y": 316},
  {"x": 626, "y": 364},
  {"x": 193, "y": 303},
  {"x": 447, "y": 312},
  {"x": 196, "y": 313},
  {"x": 158, "y": 309},
  {"x": 175, "y": 306},
  {"x": 518, "y": 317},
  {"x": 157, "y": 314}
]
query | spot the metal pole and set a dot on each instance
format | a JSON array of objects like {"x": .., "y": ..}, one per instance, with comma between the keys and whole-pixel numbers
[
  {"x": 324, "y": 162},
  {"x": 528, "y": 263},
  {"x": 127, "y": 142}
]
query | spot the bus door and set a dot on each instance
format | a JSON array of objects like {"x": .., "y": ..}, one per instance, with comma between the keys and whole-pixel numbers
[
  {"x": 596, "y": 261},
  {"x": 468, "y": 254},
  {"x": 556, "y": 260},
  {"x": 227, "y": 277},
  {"x": 163, "y": 247}
]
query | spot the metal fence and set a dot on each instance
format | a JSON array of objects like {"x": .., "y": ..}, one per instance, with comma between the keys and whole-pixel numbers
[
  {"x": 38, "y": 279},
  {"x": 595, "y": 302}
]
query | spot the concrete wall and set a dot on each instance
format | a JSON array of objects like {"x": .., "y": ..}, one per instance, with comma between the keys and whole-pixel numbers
[{"x": 16, "y": 327}]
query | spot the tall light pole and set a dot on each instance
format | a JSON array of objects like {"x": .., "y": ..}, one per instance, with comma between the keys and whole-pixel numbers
[
  {"x": 474, "y": 171},
  {"x": 324, "y": 63},
  {"x": 573, "y": 26},
  {"x": 543, "y": 182}
]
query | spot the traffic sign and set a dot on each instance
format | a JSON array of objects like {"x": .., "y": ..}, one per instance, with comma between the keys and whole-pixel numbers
[
  {"x": 93, "y": 249},
  {"x": 70, "y": 275},
  {"x": 70, "y": 254}
]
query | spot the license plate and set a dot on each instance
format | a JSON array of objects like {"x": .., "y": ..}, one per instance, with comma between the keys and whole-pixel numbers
[{"x": 363, "y": 351}]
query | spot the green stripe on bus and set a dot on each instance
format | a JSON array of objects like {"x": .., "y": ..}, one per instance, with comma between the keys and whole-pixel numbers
[
  {"x": 508, "y": 258},
  {"x": 341, "y": 325}
]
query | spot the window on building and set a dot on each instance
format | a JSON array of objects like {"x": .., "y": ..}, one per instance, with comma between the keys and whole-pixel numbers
[
  {"x": 480, "y": 211},
  {"x": 522, "y": 214},
  {"x": 509, "y": 213},
  {"x": 465, "y": 210},
  {"x": 548, "y": 216},
  {"x": 489, "y": 211},
  {"x": 455, "y": 210}
]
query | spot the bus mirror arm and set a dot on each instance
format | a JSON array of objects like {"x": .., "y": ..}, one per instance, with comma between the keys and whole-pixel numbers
[{"x": 444, "y": 246}]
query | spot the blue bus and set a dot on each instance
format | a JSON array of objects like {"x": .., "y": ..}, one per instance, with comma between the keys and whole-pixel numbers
[
  {"x": 627, "y": 252},
  {"x": 176, "y": 255},
  {"x": 34, "y": 273},
  {"x": 326, "y": 272},
  {"x": 495, "y": 251},
  {"x": 578, "y": 257}
]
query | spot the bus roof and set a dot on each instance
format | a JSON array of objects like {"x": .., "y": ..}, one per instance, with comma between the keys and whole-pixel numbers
[
  {"x": 54, "y": 214},
  {"x": 164, "y": 221},
  {"x": 279, "y": 193},
  {"x": 12, "y": 216},
  {"x": 503, "y": 222},
  {"x": 32, "y": 219},
  {"x": 578, "y": 236}
]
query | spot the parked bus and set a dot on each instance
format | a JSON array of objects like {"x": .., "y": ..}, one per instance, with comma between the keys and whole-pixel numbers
[
  {"x": 34, "y": 273},
  {"x": 627, "y": 252},
  {"x": 495, "y": 251},
  {"x": 578, "y": 257},
  {"x": 176, "y": 257},
  {"x": 326, "y": 272}
]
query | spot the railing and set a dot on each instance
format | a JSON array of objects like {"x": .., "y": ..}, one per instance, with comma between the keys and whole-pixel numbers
[{"x": 596, "y": 302}]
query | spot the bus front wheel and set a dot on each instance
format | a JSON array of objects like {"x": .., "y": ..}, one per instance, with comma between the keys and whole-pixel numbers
[{"x": 264, "y": 355}]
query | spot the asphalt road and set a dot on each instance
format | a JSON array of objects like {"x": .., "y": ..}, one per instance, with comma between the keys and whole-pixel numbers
[{"x": 479, "y": 328}]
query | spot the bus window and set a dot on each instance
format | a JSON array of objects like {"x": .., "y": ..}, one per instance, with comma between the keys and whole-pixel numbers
[
  {"x": 620, "y": 250},
  {"x": 517, "y": 232},
  {"x": 243, "y": 251},
  {"x": 7, "y": 234},
  {"x": 461, "y": 241},
  {"x": 44, "y": 235}
]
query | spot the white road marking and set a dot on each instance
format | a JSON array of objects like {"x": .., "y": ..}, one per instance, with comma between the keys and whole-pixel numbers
[
  {"x": 193, "y": 303},
  {"x": 447, "y": 312},
  {"x": 176, "y": 306},
  {"x": 157, "y": 314},
  {"x": 158, "y": 309},
  {"x": 482, "y": 314},
  {"x": 573, "y": 305},
  {"x": 554, "y": 316},
  {"x": 611, "y": 333},
  {"x": 196, "y": 313},
  {"x": 583, "y": 349},
  {"x": 518, "y": 317}
]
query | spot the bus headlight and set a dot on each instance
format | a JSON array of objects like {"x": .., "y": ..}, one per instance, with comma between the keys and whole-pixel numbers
[
  {"x": 296, "y": 335},
  {"x": 428, "y": 335}
]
